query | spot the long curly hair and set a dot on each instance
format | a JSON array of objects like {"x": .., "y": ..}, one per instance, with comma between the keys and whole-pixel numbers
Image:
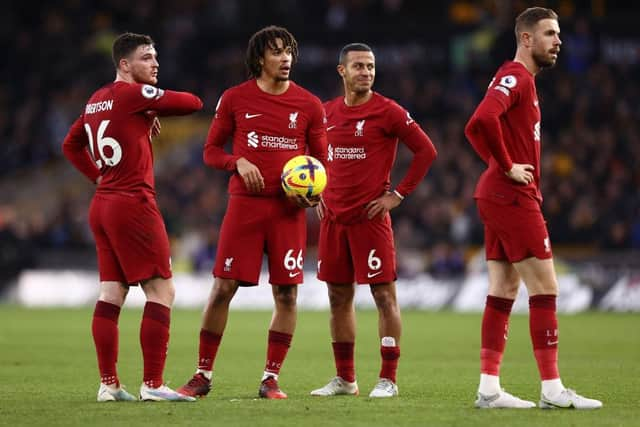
[{"x": 264, "y": 38}]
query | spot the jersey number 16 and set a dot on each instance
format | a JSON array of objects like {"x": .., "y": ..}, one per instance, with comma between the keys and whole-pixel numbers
[{"x": 102, "y": 142}]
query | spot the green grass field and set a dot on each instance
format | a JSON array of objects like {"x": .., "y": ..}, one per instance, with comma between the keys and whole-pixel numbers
[{"x": 48, "y": 372}]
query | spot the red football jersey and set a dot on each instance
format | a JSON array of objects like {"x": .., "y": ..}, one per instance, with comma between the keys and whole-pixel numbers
[
  {"x": 505, "y": 129},
  {"x": 116, "y": 127},
  {"x": 363, "y": 141},
  {"x": 267, "y": 130}
]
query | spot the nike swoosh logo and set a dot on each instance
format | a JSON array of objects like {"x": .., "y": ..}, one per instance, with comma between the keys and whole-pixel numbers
[
  {"x": 294, "y": 274},
  {"x": 330, "y": 127},
  {"x": 552, "y": 342},
  {"x": 370, "y": 275},
  {"x": 251, "y": 116}
]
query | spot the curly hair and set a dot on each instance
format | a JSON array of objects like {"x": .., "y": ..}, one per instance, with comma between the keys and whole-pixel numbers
[{"x": 264, "y": 38}]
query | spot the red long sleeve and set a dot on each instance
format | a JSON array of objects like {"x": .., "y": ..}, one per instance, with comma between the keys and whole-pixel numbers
[
  {"x": 74, "y": 148},
  {"x": 485, "y": 134},
  {"x": 424, "y": 153},
  {"x": 173, "y": 103},
  {"x": 214, "y": 155}
]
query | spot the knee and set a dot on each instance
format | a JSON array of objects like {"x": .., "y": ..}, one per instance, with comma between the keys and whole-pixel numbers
[
  {"x": 340, "y": 297},
  {"x": 285, "y": 297},
  {"x": 223, "y": 292},
  {"x": 384, "y": 297}
]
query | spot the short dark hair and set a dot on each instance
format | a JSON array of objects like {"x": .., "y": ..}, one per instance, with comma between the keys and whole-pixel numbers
[
  {"x": 264, "y": 38},
  {"x": 127, "y": 43},
  {"x": 530, "y": 17},
  {"x": 352, "y": 47}
]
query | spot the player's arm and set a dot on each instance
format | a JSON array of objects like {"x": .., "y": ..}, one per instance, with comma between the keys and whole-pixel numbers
[
  {"x": 74, "y": 148},
  {"x": 424, "y": 153},
  {"x": 214, "y": 156},
  {"x": 485, "y": 134},
  {"x": 141, "y": 98}
]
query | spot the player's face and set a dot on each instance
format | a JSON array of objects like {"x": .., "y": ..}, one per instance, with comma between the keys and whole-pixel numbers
[
  {"x": 546, "y": 43},
  {"x": 276, "y": 63},
  {"x": 143, "y": 64},
  {"x": 358, "y": 71}
]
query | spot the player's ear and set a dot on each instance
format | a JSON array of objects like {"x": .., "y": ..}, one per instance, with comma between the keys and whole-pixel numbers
[
  {"x": 340, "y": 69},
  {"x": 123, "y": 64}
]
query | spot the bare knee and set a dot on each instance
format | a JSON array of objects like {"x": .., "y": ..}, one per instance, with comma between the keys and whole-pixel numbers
[
  {"x": 159, "y": 290},
  {"x": 341, "y": 296},
  {"x": 385, "y": 296},
  {"x": 223, "y": 292},
  {"x": 113, "y": 292},
  {"x": 285, "y": 297}
]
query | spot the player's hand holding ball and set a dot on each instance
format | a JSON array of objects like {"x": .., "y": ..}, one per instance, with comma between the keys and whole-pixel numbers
[{"x": 303, "y": 179}]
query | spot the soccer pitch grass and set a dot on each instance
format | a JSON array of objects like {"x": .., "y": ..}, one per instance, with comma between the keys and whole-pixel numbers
[{"x": 48, "y": 372}]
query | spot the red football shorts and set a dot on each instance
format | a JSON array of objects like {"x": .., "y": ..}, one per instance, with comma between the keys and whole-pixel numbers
[
  {"x": 513, "y": 233},
  {"x": 362, "y": 252},
  {"x": 131, "y": 239},
  {"x": 253, "y": 226}
]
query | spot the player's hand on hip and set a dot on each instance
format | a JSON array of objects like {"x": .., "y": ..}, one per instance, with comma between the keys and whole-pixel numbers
[
  {"x": 321, "y": 209},
  {"x": 250, "y": 174},
  {"x": 155, "y": 127},
  {"x": 382, "y": 205},
  {"x": 521, "y": 173},
  {"x": 304, "y": 202}
]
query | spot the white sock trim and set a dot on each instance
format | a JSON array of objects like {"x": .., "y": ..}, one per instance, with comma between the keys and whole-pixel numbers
[
  {"x": 552, "y": 388},
  {"x": 489, "y": 384},
  {"x": 207, "y": 374}
]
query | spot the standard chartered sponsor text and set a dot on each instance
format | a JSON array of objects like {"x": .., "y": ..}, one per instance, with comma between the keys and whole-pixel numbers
[
  {"x": 279, "y": 142},
  {"x": 349, "y": 153}
]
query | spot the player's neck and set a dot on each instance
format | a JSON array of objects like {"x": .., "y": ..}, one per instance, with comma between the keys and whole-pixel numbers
[
  {"x": 525, "y": 59},
  {"x": 272, "y": 86},
  {"x": 127, "y": 78},
  {"x": 351, "y": 98}
]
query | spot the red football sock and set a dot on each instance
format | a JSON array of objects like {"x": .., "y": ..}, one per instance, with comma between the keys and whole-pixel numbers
[
  {"x": 278, "y": 346},
  {"x": 390, "y": 356},
  {"x": 343, "y": 356},
  {"x": 495, "y": 327},
  {"x": 154, "y": 339},
  {"x": 104, "y": 328},
  {"x": 543, "y": 327},
  {"x": 209, "y": 343}
]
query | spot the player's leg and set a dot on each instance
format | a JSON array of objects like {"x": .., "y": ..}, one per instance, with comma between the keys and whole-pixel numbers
[
  {"x": 503, "y": 289},
  {"x": 540, "y": 278},
  {"x": 335, "y": 267},
  {"x": 113, "y": 292},
  {"x": 342, "y": 324},
  {"x": 285, "y": 255},
  {"x": 214, "y": 322},
  {"x": 281, "y": 329},
  {"x": 154, "y": 340},
  {"x": 504, "y": 281},
  {"x": 238, "y": 262},
  {"x": 374, "y": 262},
  {"x": 389, "y": 331},
  {"x": 104, "y": 329}
]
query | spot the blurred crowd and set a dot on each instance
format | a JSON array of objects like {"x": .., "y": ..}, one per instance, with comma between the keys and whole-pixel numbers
[{"x": 434, "y": 59}]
